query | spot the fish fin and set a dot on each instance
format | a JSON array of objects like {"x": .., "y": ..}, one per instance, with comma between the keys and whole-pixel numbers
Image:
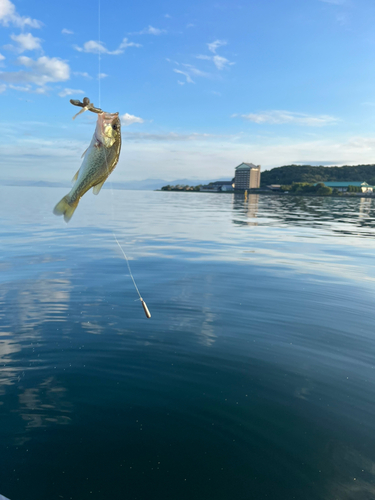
[
  {"x": 65, "y": 208},
  {"x": 83, "y": 154},
  {"x": 96, "y": 189},
  {"x": 76, "y": 174}
]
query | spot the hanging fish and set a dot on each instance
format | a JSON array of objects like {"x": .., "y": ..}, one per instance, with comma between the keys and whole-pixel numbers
[
  {"x": 100, "y": 158},
  {"x": 99, "y": 161}
]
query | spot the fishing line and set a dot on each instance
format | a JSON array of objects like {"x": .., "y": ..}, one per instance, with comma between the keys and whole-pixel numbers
[
  {"x": 99, "y": 49},
  {"x": 144, "y": 305}
]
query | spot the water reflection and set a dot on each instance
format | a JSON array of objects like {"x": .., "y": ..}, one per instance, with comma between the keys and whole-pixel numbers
[
  {"x": 340, "y": 215},
  {"x": 34, "y": 302},
  {"x": 208, "y": 335},
  {"x": 44, "y": 405},
  {"x": 257, "y": 361},
  {"x": 26, "y": 306},
  {"x": 247, "y": 207},
  {"x": 350, "y": 474}
]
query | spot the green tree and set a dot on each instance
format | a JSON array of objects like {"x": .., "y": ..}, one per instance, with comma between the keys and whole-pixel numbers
[
  {"x": 288, "y": 174},
  {"x": 324, "y": 191}
]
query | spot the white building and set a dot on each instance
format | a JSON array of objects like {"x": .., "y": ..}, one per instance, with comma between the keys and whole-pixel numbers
[{"x": 247, "y": 176}]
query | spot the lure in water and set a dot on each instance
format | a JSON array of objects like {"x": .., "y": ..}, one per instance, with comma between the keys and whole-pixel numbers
[{"x": 99, "y": 161}]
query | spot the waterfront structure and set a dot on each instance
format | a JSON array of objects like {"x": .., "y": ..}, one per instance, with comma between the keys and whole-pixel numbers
[
  {"x": 218, "y": 186},
  {"x": 343, "y": 186},
  {"x": 247, "y": 176}
]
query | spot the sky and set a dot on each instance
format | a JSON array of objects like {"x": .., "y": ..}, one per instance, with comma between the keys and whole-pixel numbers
[{"x": 201, "y": 86}]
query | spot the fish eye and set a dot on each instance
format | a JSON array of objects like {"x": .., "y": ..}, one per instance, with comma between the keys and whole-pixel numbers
[{"x": 114, "y": 127}]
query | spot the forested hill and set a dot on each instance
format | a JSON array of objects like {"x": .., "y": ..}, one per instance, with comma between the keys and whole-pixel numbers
[{"x": 307, "y": 173}]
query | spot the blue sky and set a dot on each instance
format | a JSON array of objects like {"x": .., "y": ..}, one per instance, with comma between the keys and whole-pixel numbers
[{"x": 201, "y": 85}]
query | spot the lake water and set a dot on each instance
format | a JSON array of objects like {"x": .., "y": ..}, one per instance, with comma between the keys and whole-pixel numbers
[{"x": 254, "y": 378}]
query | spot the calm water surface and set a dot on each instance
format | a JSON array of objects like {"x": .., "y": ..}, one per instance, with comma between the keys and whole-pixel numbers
[{"x": 254, "y": 379}]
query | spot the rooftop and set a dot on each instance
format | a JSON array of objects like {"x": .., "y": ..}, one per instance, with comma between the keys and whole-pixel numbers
[
  {"x": 345, "y": 184},
  {"x": 246, "y": 166}
]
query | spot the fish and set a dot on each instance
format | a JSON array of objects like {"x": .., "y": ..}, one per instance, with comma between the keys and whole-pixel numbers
[{"x": 99, "y": 160}]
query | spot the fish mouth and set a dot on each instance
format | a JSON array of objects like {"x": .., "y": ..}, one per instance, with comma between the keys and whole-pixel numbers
[{"x": 105, "y": 120}]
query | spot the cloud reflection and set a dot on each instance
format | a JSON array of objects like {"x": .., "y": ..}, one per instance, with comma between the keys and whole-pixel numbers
[
  {"x": 25, "y": 306},
  {"x": 352, "y": 473},
  {"x": 45, "y": 404}
]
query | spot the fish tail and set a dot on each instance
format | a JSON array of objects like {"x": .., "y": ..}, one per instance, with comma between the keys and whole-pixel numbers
[{"x": 66, "y": 208}]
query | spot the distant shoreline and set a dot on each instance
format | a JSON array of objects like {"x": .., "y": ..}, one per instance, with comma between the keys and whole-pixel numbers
[{"x": 273, "y": 193}]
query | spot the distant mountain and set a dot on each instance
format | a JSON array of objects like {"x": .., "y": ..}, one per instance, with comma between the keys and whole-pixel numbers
[
  {"x": 307, "y": 173},
  {"x": 280, "y": 175},
  {"x": 148, "y": 184},
  {"x": 34, "y": 183}
]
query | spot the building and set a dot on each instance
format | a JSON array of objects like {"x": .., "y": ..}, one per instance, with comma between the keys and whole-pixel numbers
[
  {"x": 218, "y": 186},
  {"x": 343, "y": 186},
  {"x": 247, "y": 176}
]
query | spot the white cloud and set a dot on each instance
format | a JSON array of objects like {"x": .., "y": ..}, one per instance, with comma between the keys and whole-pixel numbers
[
  {"x": 2, "y": 87},
  {"x": 219, "y": 61},
  {"x": 195, "y": 71},
  {"x": 278, "y": 117},
  {"x": 189, "y": 72},
  {"x": 179, "y": 155},
  {"x": 39, "y": 72},
  {"x": 2, "y": 57},
  {"x": 190, "y": 155},
  {"x": 154, "y": 31},
  {"x": 26, "y": 41},
  {"x": 28, "y": 88},
  {"x": 83, "y": 74},
  {"x": 9, "y": 16},
  {"x": 67, "y": 92},
  {"x": 186, "y": 74},
  {"x": 41, "y": 90},
  {"x": 167, "y": 16},
  {"x": 150, "y": 30},
  {"x": 94, "y": 47},
  {"x": 213, "y": 46},
  {"x": 67, "y": 32},
  {"x": 127, "y": 119},
  {"x": 102, "y": 75},
  {"x": 171, "y": 136},
  {"x": 172, "y": 62},
  {"x": 20, "y": 88}
]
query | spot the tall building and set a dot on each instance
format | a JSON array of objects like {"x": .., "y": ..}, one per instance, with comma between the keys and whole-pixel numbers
[{"x": 247, "y": 176}]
